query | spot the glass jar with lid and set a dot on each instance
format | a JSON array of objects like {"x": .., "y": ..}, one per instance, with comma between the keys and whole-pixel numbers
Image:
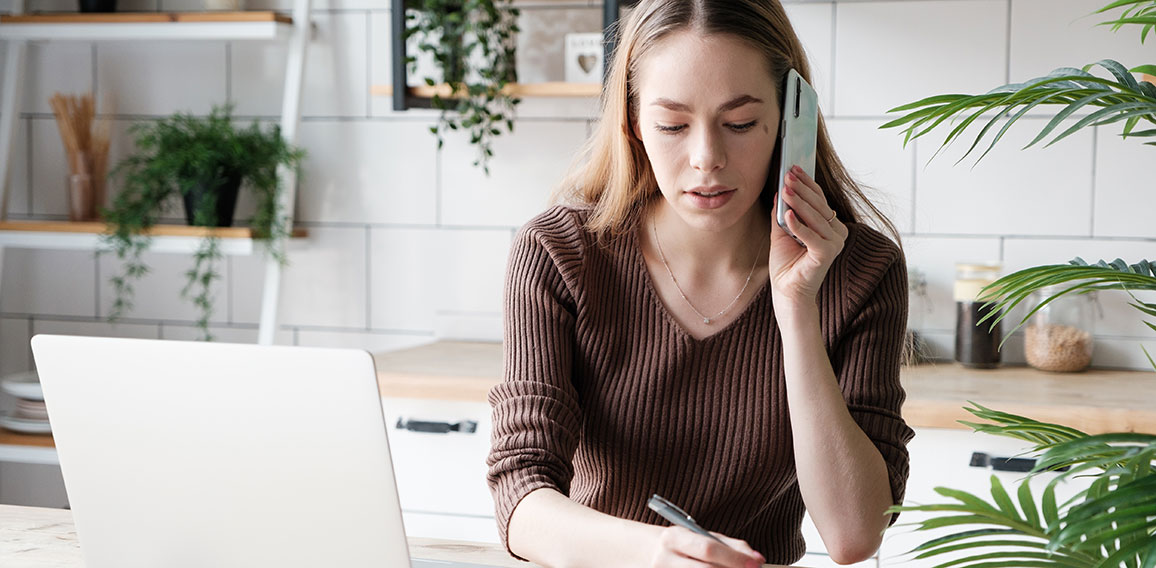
[
  {"x": 1058, "y": 337},
  {"x": 976, "y": 344}
]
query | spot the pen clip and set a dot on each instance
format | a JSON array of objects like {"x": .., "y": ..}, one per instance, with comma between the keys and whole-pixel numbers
[{"x": 657, "y": 501}]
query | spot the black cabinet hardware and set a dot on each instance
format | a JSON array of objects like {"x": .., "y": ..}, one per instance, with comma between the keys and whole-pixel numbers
[{"x": 465, "y": 426}]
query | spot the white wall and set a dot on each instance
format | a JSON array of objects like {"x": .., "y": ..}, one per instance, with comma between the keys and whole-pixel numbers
[{"x": 408, "y": 243}]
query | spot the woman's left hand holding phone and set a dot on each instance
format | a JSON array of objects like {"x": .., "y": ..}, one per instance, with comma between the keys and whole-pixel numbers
[{"x": 797, "y": 271}]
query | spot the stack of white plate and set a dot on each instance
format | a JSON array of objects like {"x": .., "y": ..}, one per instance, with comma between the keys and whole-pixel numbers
[{"x": 30, "y": 416}]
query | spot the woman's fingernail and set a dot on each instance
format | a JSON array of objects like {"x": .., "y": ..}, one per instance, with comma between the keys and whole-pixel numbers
[
  {"x": 796, "y": 169},
  {"x": 753, "y": 564}
]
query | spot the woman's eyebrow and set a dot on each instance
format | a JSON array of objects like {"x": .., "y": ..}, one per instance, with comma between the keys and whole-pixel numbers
[{"x": 729, "y": 105}]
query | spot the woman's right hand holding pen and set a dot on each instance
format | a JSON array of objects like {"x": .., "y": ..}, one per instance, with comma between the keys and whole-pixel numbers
[{"x": 678, "y": 547}]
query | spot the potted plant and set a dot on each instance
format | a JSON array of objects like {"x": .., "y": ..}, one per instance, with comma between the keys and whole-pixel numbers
[
  {"x": 1113, "y": 523},
  {"x": 205, "y": 161},
  {"x": 472, "y": 44}
]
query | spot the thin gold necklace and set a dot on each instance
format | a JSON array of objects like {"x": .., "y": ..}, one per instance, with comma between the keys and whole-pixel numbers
[{"x": 705, "y": 319}]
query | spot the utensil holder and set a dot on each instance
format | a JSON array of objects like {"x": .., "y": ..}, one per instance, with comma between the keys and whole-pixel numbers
[{"x": 81, "y": 198}]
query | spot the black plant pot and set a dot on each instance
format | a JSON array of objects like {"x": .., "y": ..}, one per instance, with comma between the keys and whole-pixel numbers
[
  {"x": 97, "y": 5},
  {"x": 224, "y": 197}
]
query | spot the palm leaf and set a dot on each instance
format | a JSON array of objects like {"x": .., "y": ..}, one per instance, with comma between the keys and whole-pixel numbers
[
  {"x": 1009, "y": 291},
  {"x": 1118, "y": 98},
  {"x": 1141, "y": 12}
]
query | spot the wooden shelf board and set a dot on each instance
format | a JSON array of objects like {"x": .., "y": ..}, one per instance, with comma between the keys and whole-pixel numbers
[
  {"x": 144, "y": 17},
  {"x": 10, "y": 438},
  {"x": 98, "y": 228},
  {"x": 554, "y": 89}
]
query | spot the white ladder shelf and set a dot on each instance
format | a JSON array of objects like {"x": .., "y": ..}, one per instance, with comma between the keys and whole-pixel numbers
[{"x": 19, "y": 29}]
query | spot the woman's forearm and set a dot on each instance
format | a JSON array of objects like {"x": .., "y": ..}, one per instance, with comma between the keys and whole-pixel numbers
[
  {"x": 551, "y": 530},
  {"x": 842, "y": 476}
]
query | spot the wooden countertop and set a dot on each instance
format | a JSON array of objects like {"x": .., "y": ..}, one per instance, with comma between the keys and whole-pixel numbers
[
  {"x": 46, "y": 538},
  {"x": 1094, "y": 401},
  {"x": 32, "y": 537}
]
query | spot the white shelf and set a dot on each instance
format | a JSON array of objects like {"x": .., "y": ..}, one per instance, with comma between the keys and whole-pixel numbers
[
  {"x": 132, "y": 27},
  {"x": 28, "y": 454},
  {"x": 87, "y": 236}
]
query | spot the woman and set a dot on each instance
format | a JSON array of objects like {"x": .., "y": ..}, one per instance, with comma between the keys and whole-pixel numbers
[{"x": 664, "y": 336}]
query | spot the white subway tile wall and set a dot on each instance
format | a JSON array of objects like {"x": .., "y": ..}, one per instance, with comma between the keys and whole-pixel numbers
[
  {"x": 812, "y": 23},
  {"x": 408, "y": 243},
  {"x": 64, "y": 67},
  {"x": 18, "y": 180},
  {"x": 368, "y": 172},
  {"x": 15, "y": 357},
  {"x": 1047, "y": 34},
  {"x": 336, "y": 83},
  {"x": 159, "y": 78}
]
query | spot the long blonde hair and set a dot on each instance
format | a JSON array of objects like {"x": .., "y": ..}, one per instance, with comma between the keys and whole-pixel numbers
[{"x": 613, "y": 175}]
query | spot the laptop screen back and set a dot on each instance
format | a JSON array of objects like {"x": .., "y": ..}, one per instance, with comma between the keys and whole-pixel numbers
[{"x": 199, "y": 454}]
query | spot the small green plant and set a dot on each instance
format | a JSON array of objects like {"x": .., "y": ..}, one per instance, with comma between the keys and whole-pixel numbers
[
  {"x": 472, "y": 43},
  {"x": 196, "y": 158}
]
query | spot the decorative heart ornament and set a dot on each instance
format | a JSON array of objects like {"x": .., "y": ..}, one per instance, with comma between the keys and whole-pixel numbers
[{"x": 584, "y": 58}]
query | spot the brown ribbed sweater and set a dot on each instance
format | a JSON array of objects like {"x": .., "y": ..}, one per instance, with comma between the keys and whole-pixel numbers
[{"x": 608, "y": 400}]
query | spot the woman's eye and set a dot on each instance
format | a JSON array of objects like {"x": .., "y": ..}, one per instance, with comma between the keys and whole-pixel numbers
[
  {"x": 744, "y": 126},
  {"x": 669, "y": 129}
]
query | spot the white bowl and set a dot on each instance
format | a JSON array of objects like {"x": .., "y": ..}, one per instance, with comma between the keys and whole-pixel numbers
[{"x": 23, "y": 385}]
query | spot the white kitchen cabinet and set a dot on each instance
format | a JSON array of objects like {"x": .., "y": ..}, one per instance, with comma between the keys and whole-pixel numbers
[
  {"x": 940, "y": 458},
  {"x": 441, "y": 478}
]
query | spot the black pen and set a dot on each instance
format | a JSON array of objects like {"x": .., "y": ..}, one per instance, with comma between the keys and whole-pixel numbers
[{"x": 672, "y": 513}]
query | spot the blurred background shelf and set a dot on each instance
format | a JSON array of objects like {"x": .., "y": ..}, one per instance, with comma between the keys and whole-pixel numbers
[
  {"x": 19, "y": 29},
  {"x": 27, "y": 448},
  {"x": 87, "y": 236},
  {"x": 551, "y": 89},
  {"x": 146, "y": 26}
]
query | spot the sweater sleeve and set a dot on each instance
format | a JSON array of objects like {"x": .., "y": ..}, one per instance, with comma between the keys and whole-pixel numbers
[
  {"x": 869, "y": 353},
  {"x": 536, "y": 416}
]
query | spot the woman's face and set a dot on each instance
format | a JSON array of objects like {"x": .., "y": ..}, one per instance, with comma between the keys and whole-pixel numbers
[{"x": 708, "y": 117}]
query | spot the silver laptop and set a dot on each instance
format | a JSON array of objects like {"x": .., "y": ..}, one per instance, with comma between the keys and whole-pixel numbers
[{"x": 199, "y": 454}]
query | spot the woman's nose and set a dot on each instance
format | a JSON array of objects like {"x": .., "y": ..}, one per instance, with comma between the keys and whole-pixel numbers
[{"x": 707, "y": 154}]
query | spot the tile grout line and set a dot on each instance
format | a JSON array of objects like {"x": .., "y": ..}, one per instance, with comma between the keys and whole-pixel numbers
[
  {"x": 229, "y": 290},
  {"x": 834, "y": 46},
  {"x": 28, "y": 163},
  {"x": 1092, "y": 204},
  {"x": 31, "y": 331},
  {"x": 228, "y": 72},
  {"x": 368, "y": 277},
  {"x": 438, "y": 189},
  {"x": 1007, "y": 44},
  {"x": 369, "y": 62},
  {"x": 94, "y": 54},
  {"x": 914, "y": 184},
  {"x": 96, "y": 284}
]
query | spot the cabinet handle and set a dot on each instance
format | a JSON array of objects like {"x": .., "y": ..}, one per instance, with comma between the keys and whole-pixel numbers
[
  {"x": 464, "y": 426},
  {"x": 980, "y": 459}
]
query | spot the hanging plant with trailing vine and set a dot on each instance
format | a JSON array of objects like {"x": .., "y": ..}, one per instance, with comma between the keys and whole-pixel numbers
[
  {"x": 197, "y": 158},
  {"x": 472, "y": 45}
]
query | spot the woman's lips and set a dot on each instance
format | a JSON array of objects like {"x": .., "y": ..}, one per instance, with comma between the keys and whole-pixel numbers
[{"x": 710, "y": 199}]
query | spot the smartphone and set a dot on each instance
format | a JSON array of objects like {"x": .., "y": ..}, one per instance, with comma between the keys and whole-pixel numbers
[{"x": 798, "y": 136}]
